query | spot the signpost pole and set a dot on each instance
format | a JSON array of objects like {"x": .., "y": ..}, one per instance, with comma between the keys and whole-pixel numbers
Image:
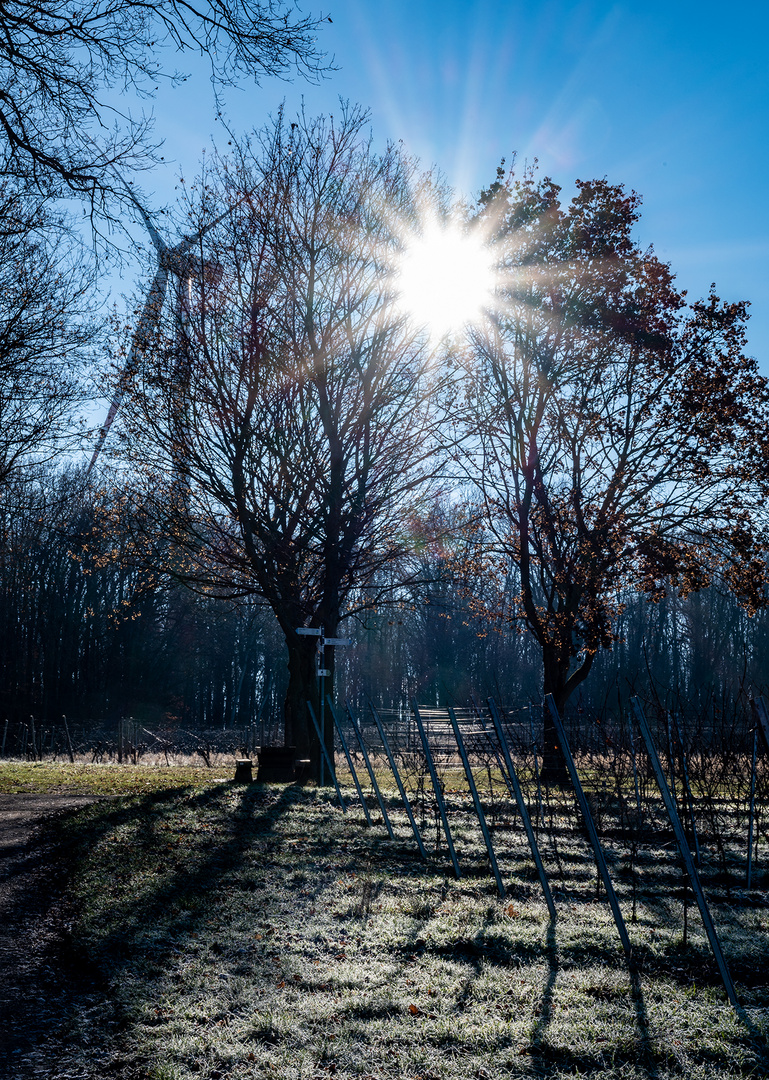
[{"x": 322, "y": 672}]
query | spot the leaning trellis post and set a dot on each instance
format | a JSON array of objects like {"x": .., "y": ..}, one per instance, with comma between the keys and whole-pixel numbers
[
  {"x": 331, "y": 770},
  {"x": 494, "y": 749},
  {"x": 688, "y": 793},
  {"x": 522, "y": 808},
  {"x": 476, "y": 801},
  {"x": 346, "y": 751},
  {"x": 398, "y": 781},
  {"x": 591, "y": 829},
  {"x": 374, "y": 784},
  {"x": 436, "y": 786},
  {"x": 70, "y": 751},
  {"x": 686, "y": 855}
]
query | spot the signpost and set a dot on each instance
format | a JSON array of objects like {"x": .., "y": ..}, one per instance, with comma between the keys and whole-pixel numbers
[{"x": 322, "y": 672}]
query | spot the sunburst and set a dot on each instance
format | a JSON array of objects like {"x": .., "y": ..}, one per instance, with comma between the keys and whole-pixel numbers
[{"x": 446, "y": 279}]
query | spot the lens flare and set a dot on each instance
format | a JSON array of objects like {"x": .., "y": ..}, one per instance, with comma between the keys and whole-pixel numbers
[{"x": 445, "y": 279}]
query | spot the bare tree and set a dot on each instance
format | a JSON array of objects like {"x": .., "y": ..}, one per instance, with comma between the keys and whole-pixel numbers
[
  {"x": 294, "y": 414},
  {"x": 63, "y": 63},
  {"x": 618, "y": 437},
  {"x": 44, "y": 330}
]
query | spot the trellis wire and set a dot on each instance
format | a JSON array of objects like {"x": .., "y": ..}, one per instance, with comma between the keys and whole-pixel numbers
[
  {"x": 522, "y": 808},
  {"x": 686, "y": 855},
  {"x": 477, "y": 802},
  {"x": 591, "y": 830},
  {"x": 436, "y": 787},
  {"x": 350, "y": 765}
]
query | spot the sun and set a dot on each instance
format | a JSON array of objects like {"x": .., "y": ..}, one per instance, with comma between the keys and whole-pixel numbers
[{"x": 445, "y": 279}]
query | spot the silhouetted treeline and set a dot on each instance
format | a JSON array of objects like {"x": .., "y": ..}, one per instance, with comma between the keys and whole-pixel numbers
[{"x": 88, "y": 631}]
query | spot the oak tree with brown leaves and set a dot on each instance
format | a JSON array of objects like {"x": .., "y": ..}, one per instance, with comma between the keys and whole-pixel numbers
[{"x": 618, "y": 435}]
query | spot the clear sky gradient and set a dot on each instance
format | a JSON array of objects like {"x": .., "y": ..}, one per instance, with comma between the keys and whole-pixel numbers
[{"x": 670, "y": 99}]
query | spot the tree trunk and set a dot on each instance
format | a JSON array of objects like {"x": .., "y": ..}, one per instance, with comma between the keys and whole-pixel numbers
[
  {"x": 560, "y": 683},
  {"x": 554, "y": 769},
  {"x": 302, "y": 687}
]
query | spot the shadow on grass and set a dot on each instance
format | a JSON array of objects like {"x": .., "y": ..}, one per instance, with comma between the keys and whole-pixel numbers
[
  {"x": 645, "y": 1048},
  {"x": 177, "y": 902},
  {"x": 142, "y": 926},
  {"x": 544, "y": 1008}
]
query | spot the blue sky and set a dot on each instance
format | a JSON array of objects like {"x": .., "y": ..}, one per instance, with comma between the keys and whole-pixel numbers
[{"x": 671, "y": 99}]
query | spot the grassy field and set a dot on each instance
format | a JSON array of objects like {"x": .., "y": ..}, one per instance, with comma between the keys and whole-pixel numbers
[
  {"x": 260, "y": 932},
  {"x": 59, "y": 778}
]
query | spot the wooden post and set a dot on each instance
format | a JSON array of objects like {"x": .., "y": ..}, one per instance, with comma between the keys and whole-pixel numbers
[
  {"x": 398, "y": 781},
  {"x": 332, "y": 773},
  {"x": 374, "y": 784},
  {"x": 346, "y": 752},
  {"x": 686, "y": 855},
  {"x": 436, "y": 786},
  {"x": 591, "y": 829},
  {"x": 522, "y": 808},
  {"x": 69, "y": 741}
]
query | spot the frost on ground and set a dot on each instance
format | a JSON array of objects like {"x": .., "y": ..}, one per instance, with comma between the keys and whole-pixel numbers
[{"x": 259, "y": 932}]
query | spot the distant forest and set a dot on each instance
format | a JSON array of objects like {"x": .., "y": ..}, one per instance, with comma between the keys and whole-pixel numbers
[{"x": 86, "y": 633}]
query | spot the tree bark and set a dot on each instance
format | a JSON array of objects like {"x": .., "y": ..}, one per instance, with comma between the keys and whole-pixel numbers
[{"x": 302, "y": 687}]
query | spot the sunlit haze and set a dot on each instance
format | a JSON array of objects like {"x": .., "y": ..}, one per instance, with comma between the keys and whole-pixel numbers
[
  {"x": 670, "y": 99},
  {"x": 445, "y": 279}
]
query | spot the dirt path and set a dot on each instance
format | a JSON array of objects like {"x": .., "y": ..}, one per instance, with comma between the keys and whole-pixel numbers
[{"x": 32, "y": 978}]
